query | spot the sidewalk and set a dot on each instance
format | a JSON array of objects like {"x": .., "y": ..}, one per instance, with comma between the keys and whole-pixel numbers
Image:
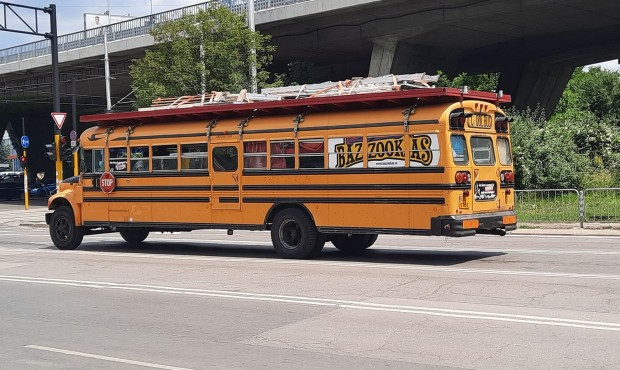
[{"x": 589, "y": 229}]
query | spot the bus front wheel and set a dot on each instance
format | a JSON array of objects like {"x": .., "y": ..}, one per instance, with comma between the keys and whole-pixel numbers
[
  {"x": 294, "y": 235},
  {"x": 65, "y": 235},
  {"x": 353, "y": 242},
  {"x": 134, "y": 235}
]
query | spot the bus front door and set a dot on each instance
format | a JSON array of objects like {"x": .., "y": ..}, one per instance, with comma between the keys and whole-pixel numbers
[{"x": 225, "y": 177}]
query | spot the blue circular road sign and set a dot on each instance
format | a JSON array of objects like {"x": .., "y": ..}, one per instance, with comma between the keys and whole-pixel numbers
[{"x": 25, "y": 142}]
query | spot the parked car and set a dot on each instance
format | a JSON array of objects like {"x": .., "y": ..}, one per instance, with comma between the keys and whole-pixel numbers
[
  {"x": 11, "y": 185},
  {"x": 40, "y": 189}
]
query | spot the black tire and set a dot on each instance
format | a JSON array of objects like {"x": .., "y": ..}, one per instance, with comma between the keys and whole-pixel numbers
[
  {"x": 351, "y": 243},
  {"x": 134, "y": 235},
  {"x": 372, "y": 240},
  {"x": 294, "y": 235},
  {"x": 65, "y": 235}
]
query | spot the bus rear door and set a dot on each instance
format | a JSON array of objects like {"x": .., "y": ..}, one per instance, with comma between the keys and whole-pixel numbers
[{"x": 485, "y": 173}]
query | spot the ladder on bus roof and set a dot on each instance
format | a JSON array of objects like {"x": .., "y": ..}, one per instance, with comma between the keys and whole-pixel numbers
[{"x": 356, "y": 85}]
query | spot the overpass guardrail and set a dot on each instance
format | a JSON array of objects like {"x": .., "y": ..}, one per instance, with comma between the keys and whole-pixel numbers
[
  {"x": 126, "y": 29},
  {"x": 600, "y": 205}
]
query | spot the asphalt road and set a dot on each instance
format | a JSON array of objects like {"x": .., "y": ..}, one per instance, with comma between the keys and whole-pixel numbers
[{"x": 206, "y": 300}]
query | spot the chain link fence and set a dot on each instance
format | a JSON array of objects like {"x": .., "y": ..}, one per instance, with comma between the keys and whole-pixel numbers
[{"x": 600, "y": 205}]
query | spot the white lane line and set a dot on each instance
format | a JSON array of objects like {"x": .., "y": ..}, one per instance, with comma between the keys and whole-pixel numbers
[
  {"x": 564, "y": 236},
  {"x": 106, "y": 358},
  {"x": 352, "y": 264},
  {"x": 469, "y": 314}
]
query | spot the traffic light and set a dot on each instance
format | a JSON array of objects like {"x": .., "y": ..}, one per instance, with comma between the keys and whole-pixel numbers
[
  {"x": 65, "y": 152},
  {"x": 23, "y": 162},
  {"x": 50, "y": 151}
]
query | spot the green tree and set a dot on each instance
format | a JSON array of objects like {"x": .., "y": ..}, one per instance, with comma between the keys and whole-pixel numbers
[
  {"x": 596, "y": 91},
  {"x": 4, "y": 152},
  {"x": 481, "y": 82},
  {"x": 545, "y": 153},
  {"x": 215, "y": 43}
]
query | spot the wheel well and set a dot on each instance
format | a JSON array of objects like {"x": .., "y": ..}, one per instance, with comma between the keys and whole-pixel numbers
[
  {"x": 277, "y": 208},
  {"x": 59, "y": 202}
]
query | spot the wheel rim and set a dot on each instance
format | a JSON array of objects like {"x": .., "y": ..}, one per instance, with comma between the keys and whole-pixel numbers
[
  {"x": 290, "y": 234},
  {"x": 63, "y": 229}
]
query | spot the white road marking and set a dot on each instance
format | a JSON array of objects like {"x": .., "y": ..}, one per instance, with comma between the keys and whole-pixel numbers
[
  {"x": 468, "y": 314},
  {"x": 106, "y": 358},
  {"x": 548, "y": 236}
]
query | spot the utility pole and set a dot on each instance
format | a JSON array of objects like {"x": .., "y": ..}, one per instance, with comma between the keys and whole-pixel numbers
[
  {"x": 106, "y": 62},
  {"x": 76, "y": 170},
  {"x": 33, "y": 29},
  {"x": 25, "y": 160},
  {"x": 56, "y": 88},
  {"x": 252, "y": 27}
]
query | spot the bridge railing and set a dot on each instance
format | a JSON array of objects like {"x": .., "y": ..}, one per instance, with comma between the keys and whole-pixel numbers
[{"x": 126, "y": 29}]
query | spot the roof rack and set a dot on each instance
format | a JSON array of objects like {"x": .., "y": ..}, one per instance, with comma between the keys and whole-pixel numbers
[{"x": 357, "y": 85}]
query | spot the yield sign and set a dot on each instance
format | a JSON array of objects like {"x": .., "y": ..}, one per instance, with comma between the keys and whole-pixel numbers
[{"x": 59, "y": 118}]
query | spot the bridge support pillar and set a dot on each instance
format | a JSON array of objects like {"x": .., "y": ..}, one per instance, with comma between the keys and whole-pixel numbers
[
  {"x": 382, "y": 57},
  {"x": 536, "y": 83}
]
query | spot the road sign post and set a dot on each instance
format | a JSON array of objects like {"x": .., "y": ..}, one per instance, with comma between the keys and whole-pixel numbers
[
  {"x": 76, "y": 167},
  {"x": 59, "y": 119}
]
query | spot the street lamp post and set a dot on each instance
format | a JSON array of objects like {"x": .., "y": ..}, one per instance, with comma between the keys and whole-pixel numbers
[{"x": 252, "y": 27}]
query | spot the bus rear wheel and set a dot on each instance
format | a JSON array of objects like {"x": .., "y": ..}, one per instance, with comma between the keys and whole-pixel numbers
[
  {"x": 294, "y": 235},
  {"x": 353, "y": 242},
  {"x": 65, "y": 235},
  {"x": 134, "y": 235}
]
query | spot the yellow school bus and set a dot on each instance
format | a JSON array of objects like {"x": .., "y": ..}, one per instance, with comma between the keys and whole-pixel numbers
[{"x": 343, "y": 169}]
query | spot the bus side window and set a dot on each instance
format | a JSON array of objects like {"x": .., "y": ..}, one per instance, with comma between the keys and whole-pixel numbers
[
  {"x": 118, "y": 159},
  {"x": 311, "y": 153},
  {"x": 139, "y": 158},
  {"x": 165, "y": 158},
  {"x": 194, "y": 157},
  {"x": 255, "y": 154},
  {"x": 386, "y": 151},
  {"x": 92, "y": 161},
  {"x": 346, "y": 152},
  {"x": 225, "y": 159},
  {"x": 282, "y": 154}
]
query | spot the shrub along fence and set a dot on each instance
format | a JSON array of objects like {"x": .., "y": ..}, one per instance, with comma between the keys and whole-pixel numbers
[{"x": 568, "y": 205}]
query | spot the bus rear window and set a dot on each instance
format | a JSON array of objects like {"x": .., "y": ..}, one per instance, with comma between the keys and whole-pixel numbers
[
  {"x": 503, "y": 148},
  {"x": 482, "y": 150},
  {"x": 459, "y": 149}
]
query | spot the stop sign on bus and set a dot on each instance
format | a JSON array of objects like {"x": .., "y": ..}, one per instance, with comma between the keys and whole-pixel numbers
[{"x": 107, "y": 182}]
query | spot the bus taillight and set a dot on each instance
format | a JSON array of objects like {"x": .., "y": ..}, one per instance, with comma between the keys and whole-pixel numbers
[
  {"x": 462, "y": 177},
  {"x": 507, "y": 177}
]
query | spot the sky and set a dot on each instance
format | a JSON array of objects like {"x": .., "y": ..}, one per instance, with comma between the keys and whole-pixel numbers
[{"x": 70, "y": 14}]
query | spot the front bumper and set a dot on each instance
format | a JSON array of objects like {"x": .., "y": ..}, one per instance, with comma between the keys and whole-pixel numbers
[{"x": 466, "y": 225}]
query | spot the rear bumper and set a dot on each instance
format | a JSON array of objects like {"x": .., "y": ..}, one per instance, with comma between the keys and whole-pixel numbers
[{"x": 488, "y": 223}]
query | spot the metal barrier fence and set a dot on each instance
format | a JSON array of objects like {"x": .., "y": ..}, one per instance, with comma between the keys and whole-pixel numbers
[
  {"x": 568, "y": 205},
  {"x": 131, "y": 28},
  {"x": 602, "y": 205},
  {"x": 547, "y": 205}
]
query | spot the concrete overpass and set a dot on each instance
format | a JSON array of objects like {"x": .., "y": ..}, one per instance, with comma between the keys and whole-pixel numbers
[{"x": 534, "y": 44}]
